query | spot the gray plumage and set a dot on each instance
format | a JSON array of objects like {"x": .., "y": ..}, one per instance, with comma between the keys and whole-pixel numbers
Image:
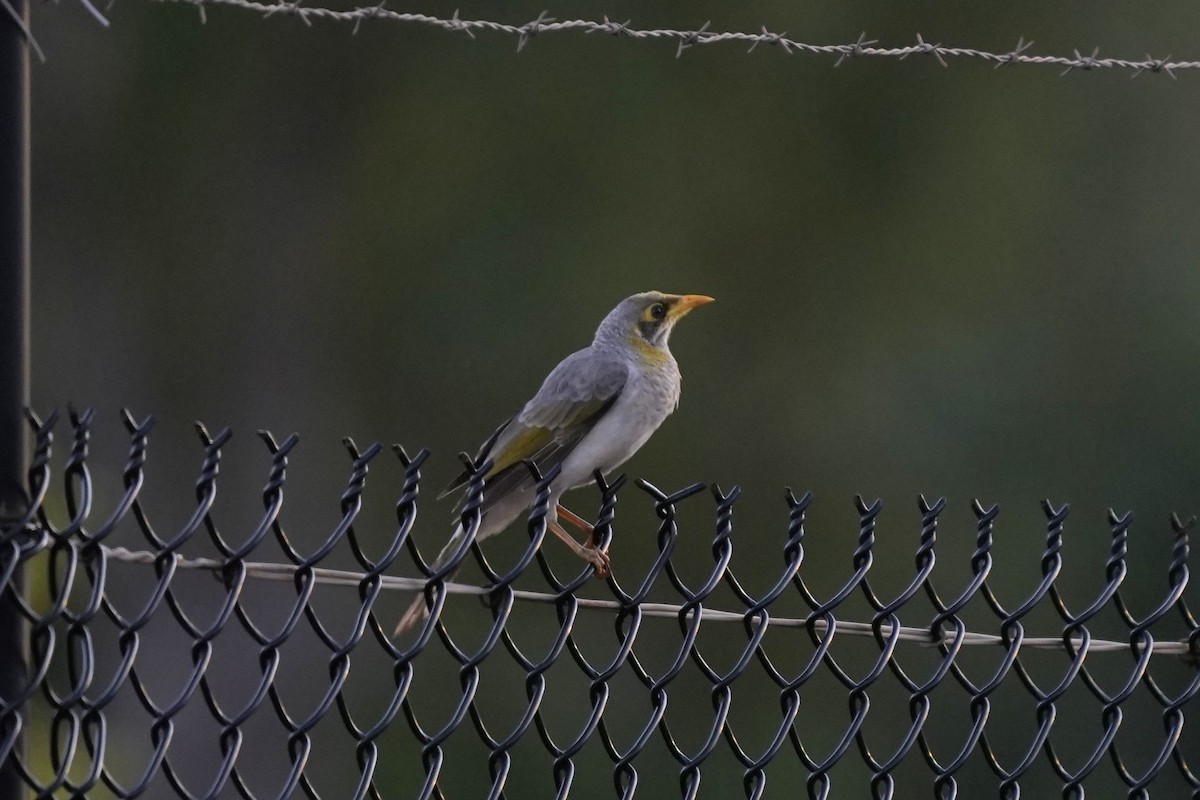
[{"x": 593, "y": 411}]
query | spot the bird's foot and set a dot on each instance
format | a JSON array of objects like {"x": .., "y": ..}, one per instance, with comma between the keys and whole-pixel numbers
[{"x": 599, "y": 560}]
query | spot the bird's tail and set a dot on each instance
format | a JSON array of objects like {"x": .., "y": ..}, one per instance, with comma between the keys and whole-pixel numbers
[{"x": 417, "y": 611}]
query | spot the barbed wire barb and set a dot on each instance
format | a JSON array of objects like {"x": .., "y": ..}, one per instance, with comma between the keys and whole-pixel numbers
[
  {"x": 691, "y": 38},
  {"x": 456, "y": 24},
  {"x": 926, "y": 47},
  {"x": 375, "y": 13},
  {"x": 771, "y": 38},
  {"x": 613, "y": 28},
  {"x": 1014, "y": 55},
  {"x": 1083, "y": 62},
  {"x": 291, "y": 7},
  {"x": 856, "y": 49},
  {"x": 531, "y": 28},
  {"x": 1155, "y": 65}
]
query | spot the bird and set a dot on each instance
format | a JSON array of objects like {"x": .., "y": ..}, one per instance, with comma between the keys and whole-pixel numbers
[{"x": 593, "y": 411}]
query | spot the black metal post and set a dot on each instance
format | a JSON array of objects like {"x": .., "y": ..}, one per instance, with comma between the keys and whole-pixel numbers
[{"x": 14, "y": 342}]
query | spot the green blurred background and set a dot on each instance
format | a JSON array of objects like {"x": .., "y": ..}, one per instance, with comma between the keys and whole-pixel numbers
[{"x": 963, "y": 282}]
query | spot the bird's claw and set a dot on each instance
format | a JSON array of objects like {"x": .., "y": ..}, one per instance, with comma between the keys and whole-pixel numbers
[{"x": 600, "y": 561}]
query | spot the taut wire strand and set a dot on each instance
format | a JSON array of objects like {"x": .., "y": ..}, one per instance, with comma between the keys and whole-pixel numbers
[
  {"x": 336, "y": 577},
  {"x": 684, "y": 39}
]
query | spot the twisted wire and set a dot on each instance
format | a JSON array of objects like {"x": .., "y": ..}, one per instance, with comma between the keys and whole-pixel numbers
[
  {"x": 73, "y": 698},
  {"x": 685, "y": 39}
]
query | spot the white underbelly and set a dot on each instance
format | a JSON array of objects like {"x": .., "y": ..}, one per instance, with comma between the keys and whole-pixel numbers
[{"x": 616, "y": 437}]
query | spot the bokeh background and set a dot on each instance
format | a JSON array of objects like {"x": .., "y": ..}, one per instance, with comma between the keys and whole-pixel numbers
[{"x": 963, "y": 282}]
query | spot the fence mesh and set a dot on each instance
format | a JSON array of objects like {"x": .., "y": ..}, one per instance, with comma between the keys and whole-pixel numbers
[{"x": 128, "y": 698}]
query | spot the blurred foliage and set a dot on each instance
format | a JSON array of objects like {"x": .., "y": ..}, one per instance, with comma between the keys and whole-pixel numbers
[{"x": 964, "y": 282}]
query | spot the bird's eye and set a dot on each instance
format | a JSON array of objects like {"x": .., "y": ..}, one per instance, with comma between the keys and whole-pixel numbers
[{"x": 658, "y": 311}]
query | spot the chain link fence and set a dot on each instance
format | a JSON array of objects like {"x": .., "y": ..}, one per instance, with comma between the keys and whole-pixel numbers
[{"x": 148, "y": 678}]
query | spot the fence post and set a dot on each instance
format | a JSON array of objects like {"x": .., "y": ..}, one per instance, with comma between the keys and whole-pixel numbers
[{"x": 14, "y": 346}]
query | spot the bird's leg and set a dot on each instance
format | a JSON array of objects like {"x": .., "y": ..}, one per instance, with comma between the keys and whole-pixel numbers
[
  {"x": 593, "y": 555},
  {"x": 576, "y": 520},
  {"x": 590, "y": 545}
]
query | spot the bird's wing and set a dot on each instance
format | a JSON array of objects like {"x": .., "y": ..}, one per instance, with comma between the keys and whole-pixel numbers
[{"x": 573, "y": 398}]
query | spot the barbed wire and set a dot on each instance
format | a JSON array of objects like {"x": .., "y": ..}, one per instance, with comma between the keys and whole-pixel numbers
[
  {"x": 685, "y": 39},
  {"x": 348, "y": 578}
]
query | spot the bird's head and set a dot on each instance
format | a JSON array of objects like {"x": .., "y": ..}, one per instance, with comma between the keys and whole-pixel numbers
[{"x": 645, "y": 320}]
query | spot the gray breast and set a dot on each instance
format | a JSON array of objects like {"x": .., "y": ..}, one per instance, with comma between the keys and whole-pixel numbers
[{"x": 658, "y": 389}]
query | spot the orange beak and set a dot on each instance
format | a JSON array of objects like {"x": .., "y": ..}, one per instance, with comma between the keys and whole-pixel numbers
[{"x": 687, "y": 302}]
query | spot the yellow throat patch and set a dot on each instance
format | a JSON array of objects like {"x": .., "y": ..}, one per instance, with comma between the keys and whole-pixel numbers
[{"x": 647, "y": 351}]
